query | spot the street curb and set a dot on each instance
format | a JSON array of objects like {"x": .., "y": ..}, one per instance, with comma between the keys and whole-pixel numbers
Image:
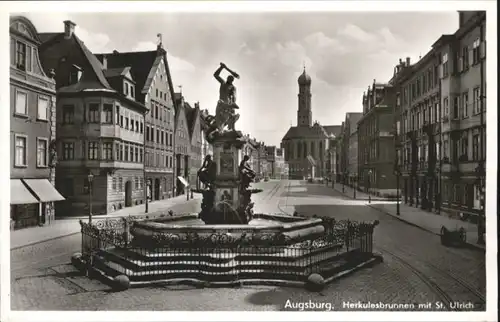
[
  {"x": 44, "y": 240},
  {"x": 422, "y": 228},
  {"x": 374, "y": 198}
]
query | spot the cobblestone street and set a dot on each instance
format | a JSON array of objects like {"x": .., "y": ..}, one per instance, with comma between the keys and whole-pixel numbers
[{"x": 416, "y": 268}]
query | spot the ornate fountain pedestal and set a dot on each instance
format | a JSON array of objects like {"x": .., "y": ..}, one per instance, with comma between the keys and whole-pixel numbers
[{"x": 227, "y": 203}]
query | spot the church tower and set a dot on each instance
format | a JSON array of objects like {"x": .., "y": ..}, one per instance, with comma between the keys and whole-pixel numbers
[{"x": 304, "y": 113}]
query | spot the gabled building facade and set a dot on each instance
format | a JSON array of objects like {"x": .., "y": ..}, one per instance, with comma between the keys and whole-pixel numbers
[
  {"x": 100, "y": 128},
  {"x": 32, "y": 130},
  {"x": 195, "y": 135},
  {"x": 154, "y": 87},
  {"x": 182, "y": 147}
]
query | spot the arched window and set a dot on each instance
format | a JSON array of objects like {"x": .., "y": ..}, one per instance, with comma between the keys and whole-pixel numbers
[
  {"x": 299, "y": 149},
  {"x": 304, "y": 147}
]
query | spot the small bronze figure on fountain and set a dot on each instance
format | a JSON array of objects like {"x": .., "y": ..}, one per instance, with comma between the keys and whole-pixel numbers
[
  {"x": 247, "y": 175},
  {"x": 207, "y": 172}
]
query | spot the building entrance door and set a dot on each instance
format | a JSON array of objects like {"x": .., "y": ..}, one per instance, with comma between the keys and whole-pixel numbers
[
  {"x": 128, "y": 194},
  {"x": 157, "y": 189}
]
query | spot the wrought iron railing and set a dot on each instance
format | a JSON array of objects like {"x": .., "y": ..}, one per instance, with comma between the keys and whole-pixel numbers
[{"x": 208, "y": 256}]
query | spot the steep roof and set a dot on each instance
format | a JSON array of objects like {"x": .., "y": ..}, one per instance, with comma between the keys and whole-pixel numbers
[
  {"x": 114, "y": 72},
  {"x": 192, "y": 113},
  {"x": 314, "y": 132},
  {"x": 333, "y": 129},
  {"x": 46, "y": 36},
  {"x": 143, "y": 67},
  {"x": 96, "y": 66}
]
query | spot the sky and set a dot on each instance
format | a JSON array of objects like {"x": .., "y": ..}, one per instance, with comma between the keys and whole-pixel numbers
[{"x": 342, "y": 52}]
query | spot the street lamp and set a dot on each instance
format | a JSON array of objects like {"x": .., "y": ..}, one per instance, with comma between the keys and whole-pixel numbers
[
  {"x": 343, "y": 182},
  {"x": 355, "y": 179},
  {"x": 398, "y": 173},
  {"x": 369, "y": 185},
  {"x": 90, "y": 178},
  {"x": 480, "y": 225}
]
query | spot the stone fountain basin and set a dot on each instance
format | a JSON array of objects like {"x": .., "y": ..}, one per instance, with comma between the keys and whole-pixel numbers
[{"x": 292, "y": 230}]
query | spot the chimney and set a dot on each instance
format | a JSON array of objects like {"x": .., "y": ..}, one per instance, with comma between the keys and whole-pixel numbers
[
  {"x": 400, "y": 61},
  {"x": 69, "y": 29},
  {"x": 104, "y": 62},
  {"x": 407, "y": 61},
  {"x": 115, "y": 52}
]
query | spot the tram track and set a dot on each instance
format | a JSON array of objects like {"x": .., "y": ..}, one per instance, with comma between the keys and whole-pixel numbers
[{"x": 436, "y": 285}]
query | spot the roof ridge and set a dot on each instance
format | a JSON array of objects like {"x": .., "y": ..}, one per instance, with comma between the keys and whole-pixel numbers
[{"x": 94, "y": 63}]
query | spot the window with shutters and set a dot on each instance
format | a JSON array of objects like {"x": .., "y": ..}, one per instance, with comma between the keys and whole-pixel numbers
[
  {"x": 465, "y": 58},
  {"x": 21, "y": 55},
  {"x": 476, "y": 104},
  {"x": 465, "y": 104},
  {"x": 445, "y": 65},
  {"x": 93, "y": 150},
  {"x": 20, "y": 150},
  {"x": 107, "y": 151},
  {"x": 21, "y": 103},
  {"x": 93, "y": 113},
  {"x": 107, "y": 111},
  {"x": 456, "y": 107},
  {"x": 475, "y": 51},
  {"x": 41, "y": 152},
  {"x": 68, "y": 151},
  {"x": 446, "y": 107},
  {"x": 475, "y": 147}
]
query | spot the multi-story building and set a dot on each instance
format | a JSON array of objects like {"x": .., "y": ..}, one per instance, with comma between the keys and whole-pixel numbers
[
  {"x": 154, "y": 88},
  {"x": 332, "y": 165},
  {"x": 32, "y": 129},
  {"x": 280, "y": 166},
  {"x": 306, "y": 145},
  {"x": 462, "y": 70},
  {"x": 100, "y": 128},
  {"x": 263, "y": 169},
  {"x": 195, "y": 135},
  {"x": 376, "y": 141},
  {"x": 271, "y": 161},
  {"x": 182, "y": 146},
  {"x": 420, "y": 137},
  {"x": 350, "y": 147}
]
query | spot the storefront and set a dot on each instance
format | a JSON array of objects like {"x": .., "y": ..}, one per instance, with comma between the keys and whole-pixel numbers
[{"x": 32, "y": 202}]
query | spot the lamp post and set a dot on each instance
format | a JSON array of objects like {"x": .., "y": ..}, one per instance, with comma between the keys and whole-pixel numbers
[
  {"x": 90, "y": 178},
  {"x": 355, "y": 178},
  {"x": 480, "y": 170},
  {"x": 343, "y": 182},
  {"x": 369, "y": 185},
  {"x": 398, "y": 173}
]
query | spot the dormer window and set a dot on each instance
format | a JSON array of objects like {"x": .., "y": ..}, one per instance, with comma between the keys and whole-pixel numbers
[
  {"x": 21, "y": 55},
  {"x": 75, "y": 74},
  {"x": 128, "y": 89}
]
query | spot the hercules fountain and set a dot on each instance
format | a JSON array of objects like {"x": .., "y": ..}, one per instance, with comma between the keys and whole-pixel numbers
[{"x": 226, "y": 243}]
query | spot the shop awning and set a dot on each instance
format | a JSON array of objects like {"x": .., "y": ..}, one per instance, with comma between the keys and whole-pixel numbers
[
  {"x": 183, "y": 181},
  {"x": 19, "y": 194},
  {"x": 44, "y": 190}
]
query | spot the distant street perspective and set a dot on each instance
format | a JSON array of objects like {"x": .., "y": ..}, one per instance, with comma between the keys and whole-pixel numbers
[{"x": 416, "y": 270}]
